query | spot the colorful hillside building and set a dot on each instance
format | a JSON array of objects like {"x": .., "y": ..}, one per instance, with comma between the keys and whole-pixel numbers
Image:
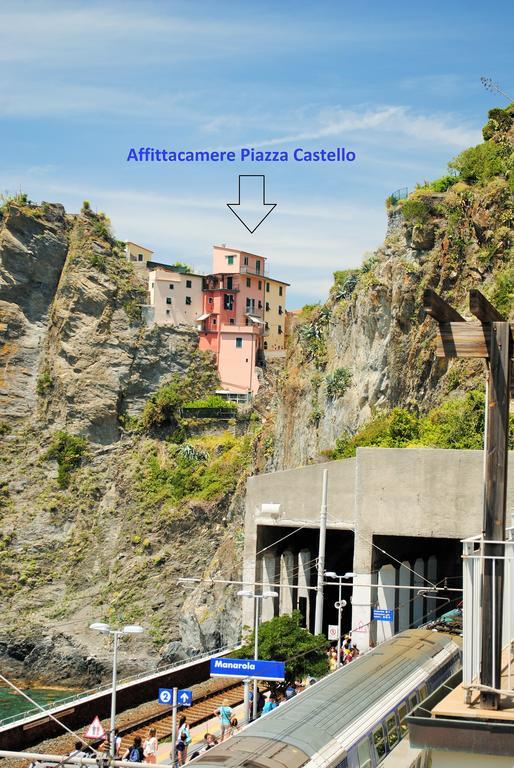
[
  {"x": 238, "y": 310},
  {"x": 240, "y": 314},
  {"x": 138, "y": 255}
]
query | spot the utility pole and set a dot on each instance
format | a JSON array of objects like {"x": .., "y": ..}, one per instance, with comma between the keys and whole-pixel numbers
[
  {"x": 174, "y": 727},
  {"x": 318, "y": 620},
  {"x": 112, "y": 743},
  {"x": 492, "y": 340}
]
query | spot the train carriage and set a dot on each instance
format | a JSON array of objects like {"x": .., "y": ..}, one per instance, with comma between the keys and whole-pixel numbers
[{"x": 354, "y": 717}]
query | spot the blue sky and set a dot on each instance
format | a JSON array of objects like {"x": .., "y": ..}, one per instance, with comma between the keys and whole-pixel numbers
[{"x": 398, "y": 83}]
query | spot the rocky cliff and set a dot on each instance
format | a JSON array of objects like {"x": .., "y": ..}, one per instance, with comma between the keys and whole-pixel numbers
[
  {"x": 370, "y": 347},
  {"x": 107, "y": 497},
  {"x": 92, "y": 526}
]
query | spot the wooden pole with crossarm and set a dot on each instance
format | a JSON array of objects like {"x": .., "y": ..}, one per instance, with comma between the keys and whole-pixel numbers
[{"x": 491, "y": 339}]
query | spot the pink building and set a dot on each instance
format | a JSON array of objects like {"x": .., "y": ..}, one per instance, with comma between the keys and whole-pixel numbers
[{"x": 232, "y": 324}]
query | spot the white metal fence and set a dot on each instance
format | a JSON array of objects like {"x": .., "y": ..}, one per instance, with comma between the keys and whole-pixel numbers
[{"x": 473, "y": 564}]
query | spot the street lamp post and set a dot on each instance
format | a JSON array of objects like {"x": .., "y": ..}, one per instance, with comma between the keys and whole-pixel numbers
[
  {"x": 129, "y": 629},
  {"x": 339, "y": 605},
  {"x": 254, "y": 596}
]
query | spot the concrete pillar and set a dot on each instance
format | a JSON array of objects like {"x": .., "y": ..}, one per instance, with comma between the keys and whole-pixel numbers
[
  {"x": 362, "y": 593},
  {"x": 286, "y": 582},
  {"x": 386, "y": 600},
  {"x": 404, "y": 596},
  {"x": 304, "y": 557},
  {"x": 269, "y": 570},
  {"x": 420, "y": 583},
  {"x": 432, "y": 577}
]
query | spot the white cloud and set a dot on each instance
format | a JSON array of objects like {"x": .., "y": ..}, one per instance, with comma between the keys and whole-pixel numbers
[{"x": 395, "y": 121}]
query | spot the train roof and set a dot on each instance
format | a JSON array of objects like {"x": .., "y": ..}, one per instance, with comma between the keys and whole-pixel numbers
[{"x": 311, "y": 720}]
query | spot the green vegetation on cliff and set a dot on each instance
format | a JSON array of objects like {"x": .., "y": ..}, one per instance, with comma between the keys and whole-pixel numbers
[
  {"x": 68, "y": 450},
  {"x": 458, "y": 423}
]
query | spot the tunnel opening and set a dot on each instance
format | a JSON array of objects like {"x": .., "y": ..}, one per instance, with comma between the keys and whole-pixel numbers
[
  {"x": 289, "y": 557},
  {"x": 404, "y": 569}
]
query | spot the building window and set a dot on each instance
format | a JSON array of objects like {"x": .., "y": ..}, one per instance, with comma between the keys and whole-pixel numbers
[
  {"x": 245, "y": 261},
  {"x": 248, "y": 282},
  {"x": 260, "y": 285},
  {"x": 167, "y": 311},
  {"x": 140, "y": 257},
  {"x": 188, "y": 300},
  {"x": 280, "y": 310},
  {"x": 214, "y": 321},
  {"x": 232, "y": 321},
  {"x": 267, "y": 306},
  {"x": 279, "y": 329},
  {"x": 229, "y": 283},
  {"x": 172, "y": 287},
  {"x": 280, "y": 290},
  {"x": 153, "y": 285},
  {"x": 168, "y": 300},
  {"x": 239, "y": 342},
  {"x": 265, "y": 345},
  {"x": 267, "y": 287},
  {"x": 257, "y": 266},
  {"x": 230, "y": 259},
  {"x": 228, "y": 301},
  {"x": 210, "y": 299},
  {"x": 259, "y": 304},
  {"x": 266, "y": 326},
  {"x": 189, "y": 284}
]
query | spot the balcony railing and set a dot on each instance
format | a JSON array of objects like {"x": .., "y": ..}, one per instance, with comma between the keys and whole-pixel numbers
[
  {"x": 474, "y": 556},
  {"x": 247, "y": 270}
]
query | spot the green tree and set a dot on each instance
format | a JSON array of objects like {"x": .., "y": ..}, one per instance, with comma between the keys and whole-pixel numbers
[
  {"x": 480, "y": 163},
  {"x": 284, "y": 639}
]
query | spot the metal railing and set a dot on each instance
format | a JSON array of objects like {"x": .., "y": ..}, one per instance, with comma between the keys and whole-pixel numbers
[
  {"x": 399, "y": 194},
  {"x": 247, "y": 270},
  {"x": 474, "y": 556},
  {"x": 75, "y": 697}
]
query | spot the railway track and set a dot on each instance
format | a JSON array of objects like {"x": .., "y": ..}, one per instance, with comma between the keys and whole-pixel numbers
[{"x": 201, "y": 711}]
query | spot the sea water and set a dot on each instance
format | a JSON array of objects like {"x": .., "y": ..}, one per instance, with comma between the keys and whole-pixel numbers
[{"x": 12, "y": 703}]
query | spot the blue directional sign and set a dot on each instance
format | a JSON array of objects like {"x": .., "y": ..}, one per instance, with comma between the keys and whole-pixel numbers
[
  {"x": 259, "y": 670},
  {"x": 382, "y": 614},
  {"x": 165, "y": 696},
  {"x": 184, "y": 698}
]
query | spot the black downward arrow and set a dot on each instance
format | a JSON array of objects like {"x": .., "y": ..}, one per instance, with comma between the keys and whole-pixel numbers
[{"x": 251, "y": 208}]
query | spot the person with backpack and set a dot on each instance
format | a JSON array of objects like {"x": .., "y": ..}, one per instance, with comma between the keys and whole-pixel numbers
[
  {"x": 184, "y": 733},
  {"x": 225, "y": 715},
  {"x": 181, "y": 750},
  {"x": 135, "y": 754}
]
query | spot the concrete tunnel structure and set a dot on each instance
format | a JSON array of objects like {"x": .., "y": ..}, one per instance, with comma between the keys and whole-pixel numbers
[{"x": 396, "y": 517}]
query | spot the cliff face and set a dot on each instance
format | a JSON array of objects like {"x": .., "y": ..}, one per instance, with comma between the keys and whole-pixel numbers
[
  {"x": 100, "y": 515},
  {"x": 75, "y": 350},
  {"x": 370, "y": 348},
  {"x": 111, "y": 541}
]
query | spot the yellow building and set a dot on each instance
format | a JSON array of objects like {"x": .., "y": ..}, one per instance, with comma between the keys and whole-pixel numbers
[
  {"x": 275, "y": 315},
  {"x": 138, "y": 255}
]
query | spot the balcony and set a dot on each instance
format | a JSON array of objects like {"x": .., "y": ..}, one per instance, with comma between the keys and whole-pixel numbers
[
  {"x": 247, "y": 270},
  {"x": 476, "y": 550}
]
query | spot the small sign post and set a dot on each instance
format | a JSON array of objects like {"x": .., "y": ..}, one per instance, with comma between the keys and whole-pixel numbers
[
  {"x": 177, "y": 698},
  {"x": 95, "y": 730},
  {"x": 333, "y": 632},
  {"x": 382, "y": 614}
]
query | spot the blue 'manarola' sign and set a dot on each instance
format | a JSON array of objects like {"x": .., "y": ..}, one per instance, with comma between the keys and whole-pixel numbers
[{"x": 261, "y": 670}]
